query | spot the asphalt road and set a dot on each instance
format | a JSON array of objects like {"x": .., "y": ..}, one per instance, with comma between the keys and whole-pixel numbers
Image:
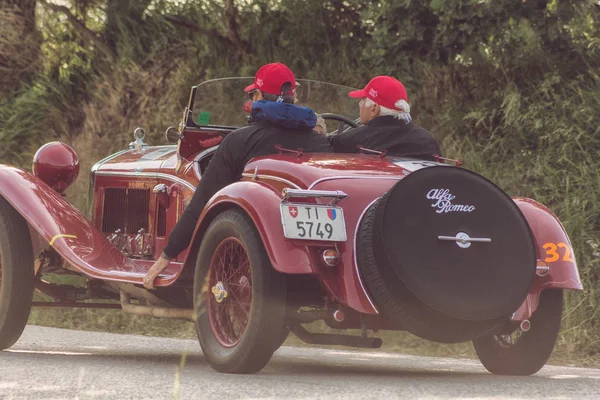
[{"x": 50, "y": 363}]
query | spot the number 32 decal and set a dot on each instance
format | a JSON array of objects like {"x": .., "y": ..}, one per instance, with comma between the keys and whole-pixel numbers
[{"x": 552, "y": 252}]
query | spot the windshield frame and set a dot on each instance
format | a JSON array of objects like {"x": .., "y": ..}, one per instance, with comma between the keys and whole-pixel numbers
[{"x": 188, "y": 120}]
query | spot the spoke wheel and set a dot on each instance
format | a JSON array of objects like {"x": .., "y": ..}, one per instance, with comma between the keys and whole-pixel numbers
[
  {"x": 239, "y": 299},
  {"x": 230, "y": 297}
]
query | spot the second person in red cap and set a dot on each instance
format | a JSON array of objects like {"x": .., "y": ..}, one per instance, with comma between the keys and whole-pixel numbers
[{"x": 387, "y": 124}]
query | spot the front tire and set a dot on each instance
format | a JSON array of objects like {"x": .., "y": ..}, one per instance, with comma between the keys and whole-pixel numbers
[
  {"x": 524, "y": 353},
  {"x": 16, "y": 274},
  {"x": 239, "y": 297}
]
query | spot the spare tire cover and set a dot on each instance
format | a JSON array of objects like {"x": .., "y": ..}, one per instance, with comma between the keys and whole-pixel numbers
[{"x": 473, "y": 281}]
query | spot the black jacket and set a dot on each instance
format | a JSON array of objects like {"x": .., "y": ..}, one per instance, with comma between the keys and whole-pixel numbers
[
  {"x": 226, "y": 166},
  {"x": 396, "y": 136}
]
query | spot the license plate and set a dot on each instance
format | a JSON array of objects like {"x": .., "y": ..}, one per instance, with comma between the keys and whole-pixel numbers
[{"x": 310, "y": 222}]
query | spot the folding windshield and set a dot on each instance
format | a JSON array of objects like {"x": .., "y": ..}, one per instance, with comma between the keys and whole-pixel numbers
[{"x": 220, "y": 102}]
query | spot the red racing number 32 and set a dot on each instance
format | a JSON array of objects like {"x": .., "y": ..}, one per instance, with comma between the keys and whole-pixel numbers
[{"x": 552, "y": 252}]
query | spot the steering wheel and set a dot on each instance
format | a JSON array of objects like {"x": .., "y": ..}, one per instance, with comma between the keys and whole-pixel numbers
[{"x": 342, "y": 120}]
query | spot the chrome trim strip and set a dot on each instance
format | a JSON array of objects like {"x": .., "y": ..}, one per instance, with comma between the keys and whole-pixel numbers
[
  {"x": 91, "y": 197},
  {"x": 211, "y": 128},
  {"x": 115, "y": 155},
  {"x": 336, "y": 195},
  {"x": 201, "y": 155},
  {"x": 465, "y": 240},
  {"x": 274, "y": 178},
  {"x": 330, "y": 178},
  {"x": 153, "y": 153},
  {"x": 106, "y": 159},
  {"x": 362, "y": 285},
  {"x": 89, "y": 207},
  {"x": 158, "y": 175}
]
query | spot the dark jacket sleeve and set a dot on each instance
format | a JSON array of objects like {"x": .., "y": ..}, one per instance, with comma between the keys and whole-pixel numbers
[
  {"x": 224, "y": 168},
  {"x": 347, "y": 142}
]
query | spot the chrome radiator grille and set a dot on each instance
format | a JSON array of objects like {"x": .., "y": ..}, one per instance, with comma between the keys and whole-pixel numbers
[{"x": 125, "y": 209}]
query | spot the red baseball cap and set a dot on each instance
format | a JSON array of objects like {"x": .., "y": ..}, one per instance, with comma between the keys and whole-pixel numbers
[
  {"x": 385, "y": 91},
  {"x": 269, "y": 78}
]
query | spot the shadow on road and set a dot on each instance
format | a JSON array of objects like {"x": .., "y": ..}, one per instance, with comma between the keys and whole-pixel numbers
[{"x": 282, "y": 366}]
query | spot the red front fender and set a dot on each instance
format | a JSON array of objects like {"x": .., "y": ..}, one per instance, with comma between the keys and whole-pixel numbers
[
  {"x": 261, "y": 203},
  {"x": 553, "y": 248},
  {"x": 64, "y": 228}
]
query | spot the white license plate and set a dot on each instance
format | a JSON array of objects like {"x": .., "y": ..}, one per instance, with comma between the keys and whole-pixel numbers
[{"x": 309, "y": 222}]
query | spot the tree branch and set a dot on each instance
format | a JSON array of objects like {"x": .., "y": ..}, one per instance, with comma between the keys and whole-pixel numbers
[
  {"x": 81, "y": 29},
  {"x": 229, "y": 24},
  {"x": 232, "y": 26},
  {"x": 186, "y": 23}
]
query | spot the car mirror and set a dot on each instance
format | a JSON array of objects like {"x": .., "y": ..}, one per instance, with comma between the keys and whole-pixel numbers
[{"x": 172, "y": 135}]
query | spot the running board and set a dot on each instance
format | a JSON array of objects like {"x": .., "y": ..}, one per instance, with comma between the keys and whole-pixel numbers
[{"x": 333, "y": 339}]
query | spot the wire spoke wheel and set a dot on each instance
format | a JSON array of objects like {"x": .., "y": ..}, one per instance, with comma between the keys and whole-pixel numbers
[
  {"x": 230, "y": 276},
  {"x": 239, "y": 297}
]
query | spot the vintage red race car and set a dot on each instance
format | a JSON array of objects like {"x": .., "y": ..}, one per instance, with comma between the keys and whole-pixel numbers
[{"x": 360, "y": 241}]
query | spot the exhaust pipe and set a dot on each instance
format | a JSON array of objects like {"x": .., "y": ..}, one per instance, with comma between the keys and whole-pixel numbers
[
  {"x": 525, "y": 325},
  {"x": 140, "y": 293},
  {"x": 155, "y": 312}
]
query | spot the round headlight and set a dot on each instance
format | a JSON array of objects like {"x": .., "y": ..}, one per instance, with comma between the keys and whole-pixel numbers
[{"x": 57, "y": 165}]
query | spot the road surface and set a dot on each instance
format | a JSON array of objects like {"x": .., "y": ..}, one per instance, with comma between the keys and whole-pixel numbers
[{"x": 50, "y": 363}]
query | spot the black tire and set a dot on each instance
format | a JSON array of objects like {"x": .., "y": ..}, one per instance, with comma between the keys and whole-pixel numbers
[
  {"x": 532, "y": 348},
  {"x": 416, "y": 242},
  {"x": 16, "y": 274},
  {"x": 265, "y": 323},
  {"x": 397, "y": 302},
  {"x": 283, "y": 337}
]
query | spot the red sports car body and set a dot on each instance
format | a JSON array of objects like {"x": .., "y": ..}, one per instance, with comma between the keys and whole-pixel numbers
[{"x": 360, "y": 241}]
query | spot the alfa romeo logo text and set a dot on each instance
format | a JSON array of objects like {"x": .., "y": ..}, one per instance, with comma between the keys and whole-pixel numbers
[{"x": 443, "y": 202}]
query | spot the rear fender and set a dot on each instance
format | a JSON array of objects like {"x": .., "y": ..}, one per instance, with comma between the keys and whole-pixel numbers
[
  {"x": 261, "y": 203},
  {"x": 553, "y": 249},
  {"x": 55, "y": 223}
]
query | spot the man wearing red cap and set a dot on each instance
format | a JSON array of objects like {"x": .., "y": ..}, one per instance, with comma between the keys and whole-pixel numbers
[
  {"x": 274, "y": 120},
  {"x": 385, "y": 115}
]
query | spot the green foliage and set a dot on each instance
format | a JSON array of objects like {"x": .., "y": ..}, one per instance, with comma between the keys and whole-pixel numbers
[
  {"x": 37, "y": 113},
  {"x": 510, "y": 86}
]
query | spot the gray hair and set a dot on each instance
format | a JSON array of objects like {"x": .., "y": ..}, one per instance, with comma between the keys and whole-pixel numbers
[
  {"x": 403, "y": 114},
  {"x": 286, "y": 96}
]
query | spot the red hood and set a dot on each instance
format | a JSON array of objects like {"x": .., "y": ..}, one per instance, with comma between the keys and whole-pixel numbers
[{"x": 148, "y": 159}]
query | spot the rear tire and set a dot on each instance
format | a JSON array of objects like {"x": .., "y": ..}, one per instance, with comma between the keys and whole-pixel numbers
[
  {"x": 240, "y": 299},
  {"x": 16, "y": 274},
  {"x": 532, "y": 349}
]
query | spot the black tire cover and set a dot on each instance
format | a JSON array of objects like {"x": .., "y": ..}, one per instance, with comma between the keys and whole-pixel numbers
[{"x": 481, "y": 282}]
